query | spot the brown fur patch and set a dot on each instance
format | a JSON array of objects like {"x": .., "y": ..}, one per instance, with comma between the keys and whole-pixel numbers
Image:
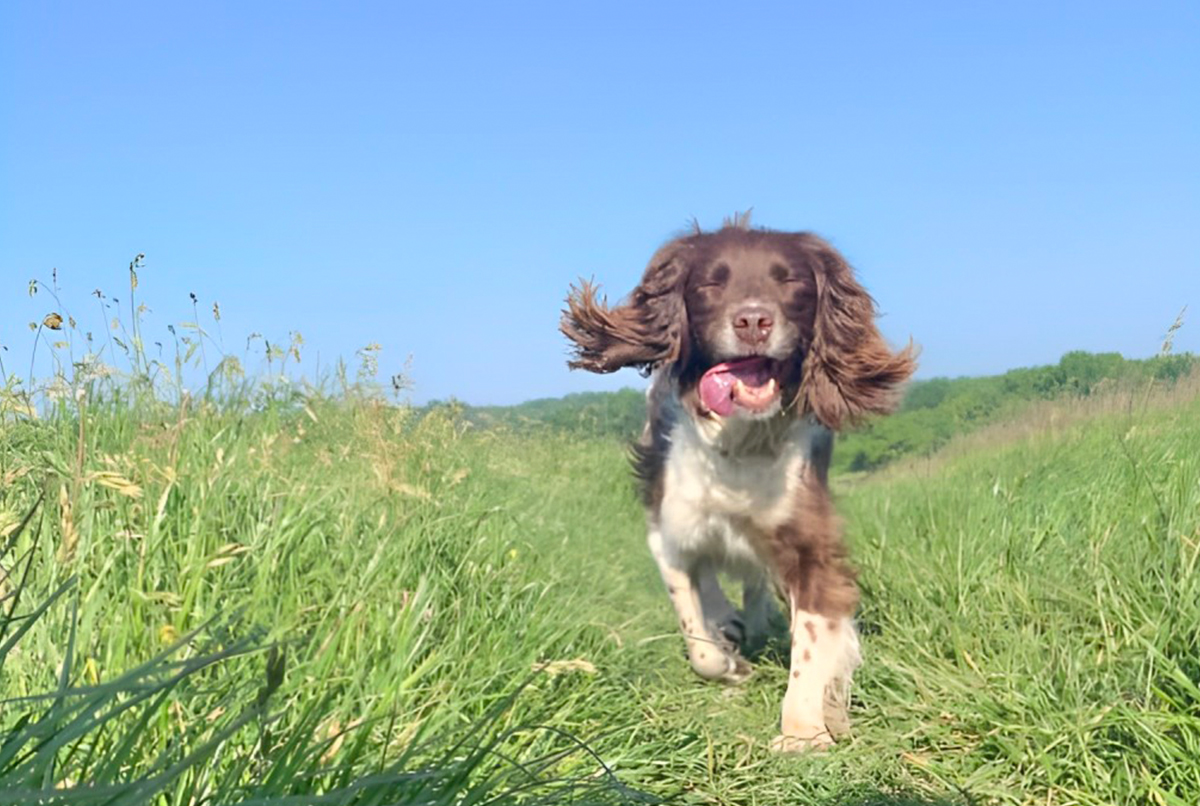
[
  {"x": 648, "y": 455},
  {"x": 850, "y": 371},
  {"x": 644, "y": 332},
  {"x": 810, "y": 559}
]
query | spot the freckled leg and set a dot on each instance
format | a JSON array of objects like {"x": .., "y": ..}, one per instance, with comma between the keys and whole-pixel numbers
[
  {"x": 708, "y": 657},
  {"x": 824, "y": 653}
]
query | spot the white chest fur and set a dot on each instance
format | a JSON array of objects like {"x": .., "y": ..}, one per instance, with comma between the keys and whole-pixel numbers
[{"x": 721, "y": 476}]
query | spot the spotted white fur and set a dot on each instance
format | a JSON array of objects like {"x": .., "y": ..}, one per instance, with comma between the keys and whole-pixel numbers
[{"x": 725, "y": 482}]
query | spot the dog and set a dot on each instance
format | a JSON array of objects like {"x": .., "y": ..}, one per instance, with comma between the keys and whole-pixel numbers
[{"x": 760, "y": 344}]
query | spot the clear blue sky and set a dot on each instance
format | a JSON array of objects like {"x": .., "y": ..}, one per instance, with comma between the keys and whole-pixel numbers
[{"x": 1012, "y": 180}]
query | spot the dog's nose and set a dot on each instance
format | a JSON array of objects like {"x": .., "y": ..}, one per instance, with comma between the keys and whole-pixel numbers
[{"x": 753, "y": 324}]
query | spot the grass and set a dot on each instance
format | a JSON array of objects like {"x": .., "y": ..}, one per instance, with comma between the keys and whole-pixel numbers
[
  {"x": 303, "y": 598},
  {"x": 1031, "y": 612},
  {"x": 404, "y": 598}
]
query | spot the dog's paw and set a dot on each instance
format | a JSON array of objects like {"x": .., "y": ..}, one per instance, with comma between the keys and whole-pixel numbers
[
  {"x": 805, "y": 742},
  {"x": 715, "y": 663},
  {"x": 739, "y": 672}
]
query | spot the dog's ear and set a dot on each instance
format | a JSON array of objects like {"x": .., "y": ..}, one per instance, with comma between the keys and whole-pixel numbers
[
  {"x": 849, "y": 370},
  {"x": 647, "y": 330}
]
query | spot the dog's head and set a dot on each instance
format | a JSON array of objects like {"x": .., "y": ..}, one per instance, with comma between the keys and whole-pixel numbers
[{"x": 750, "y": 323}]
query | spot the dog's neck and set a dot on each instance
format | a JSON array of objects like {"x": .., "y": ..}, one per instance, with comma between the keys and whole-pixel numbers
[{"x": 744, "y": 438}]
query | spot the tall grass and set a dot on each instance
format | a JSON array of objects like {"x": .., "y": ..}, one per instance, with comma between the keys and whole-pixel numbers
[
  {"x": 1037, "y": 612},
  {"x": 346, "y": 542},
  {"x": 265, "y": 589}
]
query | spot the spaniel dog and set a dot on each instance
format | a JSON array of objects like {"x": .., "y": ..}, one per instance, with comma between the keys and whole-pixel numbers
[{"x": 760, "y": 344}]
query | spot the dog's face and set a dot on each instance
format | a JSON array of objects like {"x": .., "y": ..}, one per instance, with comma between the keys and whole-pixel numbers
[
  {"x": 750, "y": 299},
  {"x": 750, "y": 323}
]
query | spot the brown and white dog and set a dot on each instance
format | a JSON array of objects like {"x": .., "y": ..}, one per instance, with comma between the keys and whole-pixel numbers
[{"x": 761, "y": 344}]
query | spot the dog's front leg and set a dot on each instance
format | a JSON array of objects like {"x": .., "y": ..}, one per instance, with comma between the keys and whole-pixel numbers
[
  {"x": 706, "y": 652},
  {"x": 824, "y": 654},
  {"x": 821, "y": 596}
]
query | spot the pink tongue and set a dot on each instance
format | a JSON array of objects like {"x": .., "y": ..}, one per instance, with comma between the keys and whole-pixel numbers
[{"x": 716, "y": 386}]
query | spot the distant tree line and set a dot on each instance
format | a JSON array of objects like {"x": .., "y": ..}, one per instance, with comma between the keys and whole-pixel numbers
[
  {"x": 596, "y": 414},
  {"x": 934, "y": 411}
]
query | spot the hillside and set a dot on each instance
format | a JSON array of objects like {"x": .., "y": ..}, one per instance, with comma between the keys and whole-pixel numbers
[{"x": 932, "y": 412}]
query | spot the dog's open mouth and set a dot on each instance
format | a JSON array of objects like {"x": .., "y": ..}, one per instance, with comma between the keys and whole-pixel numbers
[{"x": 748, "y": 383}]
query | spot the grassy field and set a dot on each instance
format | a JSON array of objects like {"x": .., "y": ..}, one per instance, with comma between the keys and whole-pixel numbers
[{"x": 307, "y": 600}]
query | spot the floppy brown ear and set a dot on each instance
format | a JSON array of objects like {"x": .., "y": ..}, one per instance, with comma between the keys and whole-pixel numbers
[
  {"x": 644, "y": 332},
  {"x": 849, "y": 371}
]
